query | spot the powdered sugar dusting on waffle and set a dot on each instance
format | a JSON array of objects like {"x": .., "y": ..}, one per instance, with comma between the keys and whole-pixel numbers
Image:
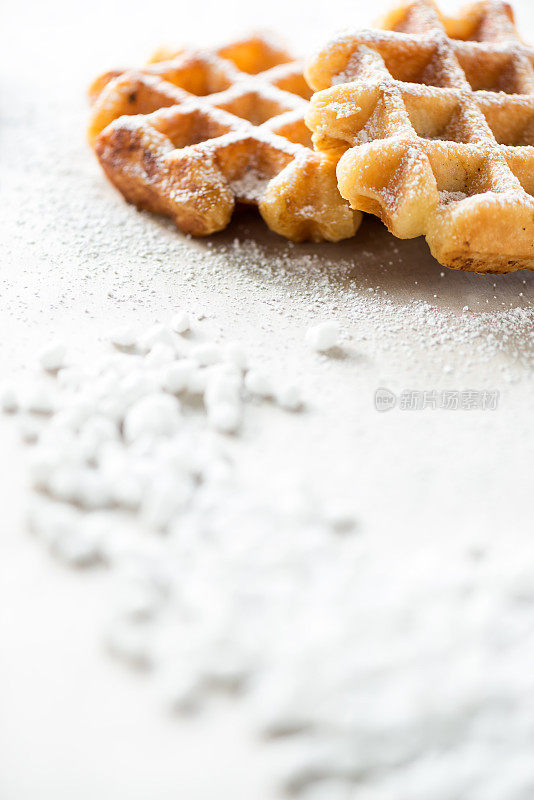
[
  {"x": 452, "y": 197},
  {"x": 250, "y": 187},
  {"x": 429, "y": 107},
  {"x": 191, "y": 136}
]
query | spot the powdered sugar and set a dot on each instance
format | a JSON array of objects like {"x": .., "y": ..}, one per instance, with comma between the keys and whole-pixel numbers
[
  {"x": 250, "y": 187},
  {"x": 451, "y": 197}
]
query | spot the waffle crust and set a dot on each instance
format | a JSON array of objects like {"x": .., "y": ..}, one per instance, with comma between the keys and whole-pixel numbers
[
  {"x": 194, "y": 134},
  {"x": 432, "y": 120}
]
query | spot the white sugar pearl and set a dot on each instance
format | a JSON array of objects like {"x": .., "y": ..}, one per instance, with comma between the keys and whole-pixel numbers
[
  {"x": 96, "y": 432},
  {"x": 91, "y": 490},
  {"x": 334, "y": 789},
  {"x": 198, "y": 380},
  {"x": 154, "y": 415},
  {"x": 158, "y": 333},
  {"x": 121, "y": 364},
  {"x": 76, "y": 548},
  {"x": 288, "y": 397},
  {"x": 258, "y": 384},
  {"x": 62, "y": 484},
  {"x": 224, "y": 417},
  {"x": 340, "y": 518},
  {"x": 236, "y": 355},
  {"x": 44, "y": 460},
  {"x": 8, "y": 400},
  {"x": 39, "y": 399},
  {"x": 29, "y": 429},
  {"x": 52, "y": 356},
  {"x": 71, "y": 378},
  {"x": 123, "y": 337},
  {"x": 175, "y": 377},
  {"x": 129, "y": 642},
  {"x": 323, "y": 336},
  {"x": 181, "y": 322},
  {"x": 160, "y": 354},
  {"x": 140, "y": 600},
  {"x": 118, "y": 471},
  {"x": 137, "y": 385},
  {"x": 222, "y": 387},
  {"x": 183, "y": 688},
  {"x": 112, "y": 407},
  {"x": 104, "y": 385},
  {"x": 207, "y": 354},
  {"x": 99, "y": 428},
  {"x": 127, "y": 490},
  {"x": 162, "y": 501},
  {"x": 74, "y": 414},
  {"x": 52, "y": 521}
]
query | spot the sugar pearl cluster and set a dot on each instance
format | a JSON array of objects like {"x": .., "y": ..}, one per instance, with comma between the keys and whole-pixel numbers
[
  {"x": 130, "y": 471},
  {"x": 116, "y": 432}
]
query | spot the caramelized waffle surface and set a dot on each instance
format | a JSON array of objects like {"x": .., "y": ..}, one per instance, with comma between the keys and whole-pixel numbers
[
  {"x": 432, "y": 119},
  {"x": 194, "y": 134}
]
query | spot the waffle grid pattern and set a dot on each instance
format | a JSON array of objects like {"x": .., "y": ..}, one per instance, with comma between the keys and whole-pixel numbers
[
  {"x": 194, "y": 134},
  {"x": 432, "y": 119}
]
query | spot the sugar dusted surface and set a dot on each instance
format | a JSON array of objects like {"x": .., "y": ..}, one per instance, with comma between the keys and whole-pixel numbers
[{"x": 442, "y": 558}]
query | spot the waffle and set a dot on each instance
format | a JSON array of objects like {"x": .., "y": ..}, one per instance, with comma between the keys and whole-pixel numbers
[
  {"x": 195, "y": 134},
  {"x": 432, "y": 119}
]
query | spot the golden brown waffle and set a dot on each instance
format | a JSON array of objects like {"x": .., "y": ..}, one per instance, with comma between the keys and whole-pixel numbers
[
  {"x": 193, "y": 135},
  {"x": 433, "y": 118}
]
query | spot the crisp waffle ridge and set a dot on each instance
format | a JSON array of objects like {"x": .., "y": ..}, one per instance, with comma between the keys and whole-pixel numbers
[
  {"x": 193, "y": 134},
  {"x": 432, "y": 119}
]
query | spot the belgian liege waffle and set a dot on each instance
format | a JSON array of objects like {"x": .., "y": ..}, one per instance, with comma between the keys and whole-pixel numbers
[
  {"x": 193, "y": 135},
  {"x": 432, "y": 119}
]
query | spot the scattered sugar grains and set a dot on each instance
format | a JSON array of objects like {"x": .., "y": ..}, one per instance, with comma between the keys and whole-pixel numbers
[{"x": 323, "y": 336}]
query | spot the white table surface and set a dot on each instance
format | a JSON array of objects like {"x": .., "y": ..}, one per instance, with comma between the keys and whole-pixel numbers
[{"x": 73, "y": 723}]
